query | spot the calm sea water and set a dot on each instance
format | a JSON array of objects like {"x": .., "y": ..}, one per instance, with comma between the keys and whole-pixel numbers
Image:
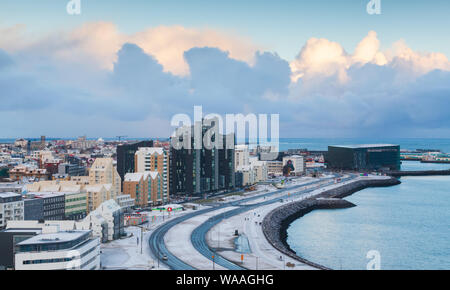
[
  {"x": 322, "y": 143},
  {"x": 408, "y": 224}
]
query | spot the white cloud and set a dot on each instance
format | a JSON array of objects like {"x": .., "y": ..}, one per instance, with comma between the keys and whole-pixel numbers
[{"x": 97, "y": 43}]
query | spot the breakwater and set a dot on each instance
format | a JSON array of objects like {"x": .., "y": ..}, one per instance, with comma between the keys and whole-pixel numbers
[
  {"x": 418, "y": 173},
  {"x": 275, "y": 223}
]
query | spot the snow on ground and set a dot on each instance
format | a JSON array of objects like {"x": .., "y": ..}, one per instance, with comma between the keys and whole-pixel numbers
[
  {"x": 126, "y": 253},
  {"x": 263, "y": 256},
  {"x": 178, "y": 241}
]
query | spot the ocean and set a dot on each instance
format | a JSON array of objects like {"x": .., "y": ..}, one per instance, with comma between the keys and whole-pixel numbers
[
  {"x": 408, "y": 225},
  {"x": 322, "y": 143}
]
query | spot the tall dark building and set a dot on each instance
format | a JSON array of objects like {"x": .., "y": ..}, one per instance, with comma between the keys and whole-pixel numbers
[
  {"x": 198, "y": 171},
  {"x": 364, "y": 157},
  {"x": 125, "y": 156}
]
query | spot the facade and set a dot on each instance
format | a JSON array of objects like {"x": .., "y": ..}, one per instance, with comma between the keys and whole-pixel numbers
[
  {"x": 125, "y": 201},
  {"x": 96, "y": 195},
  {"x": 24, "y": 173},
  {"x": 34, "y": 209},
  {"x": 155, "y": 159},
  {"x": 69, "y": 250},
  {"x": 103, "y": 171},
  {"x": 9, "y": 239},
  {"x": 53, "y": 206},
  {"x": 75, "y": 205},
  {"x": 260, "y": 169},
  {"x": 241, "y": 156},
  {"x": 198, "y": 171},
  {"x": 146, "y": 188},
  {"x": 113, "y": 215},
  {"x": 275, "y": 168},
  {"x": 11, "y": 187},
  {"x": 364, "y": 157},
  {"x": 71, "y": 169},
  {"x": 11, "y": 208},
  {"x": 137, "y": 186},
  {"x": 125, "y": 156},
  {"x": 53, "y": 194},
  {"x": 299, "y": 163}
]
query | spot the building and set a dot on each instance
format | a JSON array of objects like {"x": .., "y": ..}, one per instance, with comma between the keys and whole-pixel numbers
[
  {"x": 53, "y": 206},
  {"x": 24, "y": 173},
  {"x": 106, "y": 223},
  {"x": 241, "y": 156},
  {"x": 113, "y": 214},
  {"x": 299, "y": 163},
  {"x": 146, "y": 188},
  {"x": 34, "y": 209},
  {"x": 103, "y": 171},
  {"x": 364, "y": 157},
  {"x": 75, "y": 205},
  {"x": 74, "y": 196},
  {"x": 65, "y": 250},
  {"x": 126, "y": 202},
  {"x": 96, "y": 195},
  {"x": 11, "y": 208},
  {"x": 9, "y": 238},
  {"x": 71, "y": 169},
  {"x": 137, "y": 186},
  {"x": 198, "y": 171},
  {"x": 125, "y": 156},
  {"x": 155, "y": 159},
  {"x": 11, "y": 187},
  {"x": 260, "y": 169},
  {"x": 275, "y": 168}
]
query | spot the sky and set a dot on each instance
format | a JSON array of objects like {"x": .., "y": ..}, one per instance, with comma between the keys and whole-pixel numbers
[{"x": 126, "y": 67}]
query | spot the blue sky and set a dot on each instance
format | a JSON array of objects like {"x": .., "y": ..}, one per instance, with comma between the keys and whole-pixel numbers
[
  {"x": 282, "y": 25},
  {"x": 126, "y": 67}
]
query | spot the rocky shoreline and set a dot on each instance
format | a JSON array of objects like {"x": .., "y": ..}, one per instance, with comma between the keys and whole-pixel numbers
[{"x": 276, "y": 223}]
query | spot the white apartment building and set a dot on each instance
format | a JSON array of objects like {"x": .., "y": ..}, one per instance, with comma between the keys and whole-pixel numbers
[
  {"x": 11, "y": 208},
  {"x": 103, "y": 171},
  {"x": 298, "y": 162},
  {"x": 65, "y": 250},
  {"x": 242, "y": 154},
  {"x": 260, "y": 168},
  {"x": 125, "y": 201},
  {"x": 275, "y": 168}
]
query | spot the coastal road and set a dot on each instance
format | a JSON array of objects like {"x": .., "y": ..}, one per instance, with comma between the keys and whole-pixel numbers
[
  {"x": 198, "y": 236},
  {"x": 159, "y": 249}
]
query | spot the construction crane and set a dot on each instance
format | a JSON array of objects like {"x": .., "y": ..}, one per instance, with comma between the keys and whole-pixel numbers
[{"x": 120, "y": 137}]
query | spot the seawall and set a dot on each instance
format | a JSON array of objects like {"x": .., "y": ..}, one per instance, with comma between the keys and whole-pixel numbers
[
  {"x": 418, "y": 173},
  {"x": 276, "y": 223}
]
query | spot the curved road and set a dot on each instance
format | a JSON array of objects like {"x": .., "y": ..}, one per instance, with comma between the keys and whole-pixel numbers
[
  {"x": 159, "y": 249},
  {"x": 198, "y": 236}
]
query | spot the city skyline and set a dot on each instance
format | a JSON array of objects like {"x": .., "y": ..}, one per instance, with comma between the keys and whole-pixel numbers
[{"x": 340, "y": 73}]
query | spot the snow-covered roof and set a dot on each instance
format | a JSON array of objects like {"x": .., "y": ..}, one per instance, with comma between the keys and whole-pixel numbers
[
  {"x": 133, "y": 177},
  {"x": 151, "y": 150},
  {"x": 60, "y": 237}
]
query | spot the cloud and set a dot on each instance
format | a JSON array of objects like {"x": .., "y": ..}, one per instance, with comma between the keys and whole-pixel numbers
[
  {"x": 97, "y": 43},
  {"x": 98, "y": 81}
]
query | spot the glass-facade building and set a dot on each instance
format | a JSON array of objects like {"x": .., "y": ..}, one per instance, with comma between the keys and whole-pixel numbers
[{"x": 364, "y": 157}]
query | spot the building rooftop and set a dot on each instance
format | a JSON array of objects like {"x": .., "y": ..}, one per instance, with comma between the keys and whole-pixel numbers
[
  {"x": 8, "y": 194},
  {"x": 60, "y": 237},
  {"x": 358, "y": 146}
]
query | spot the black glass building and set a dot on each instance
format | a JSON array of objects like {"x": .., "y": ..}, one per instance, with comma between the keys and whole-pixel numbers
[
  {"x": 364, "y": 157},
  {"x": 198, "y": 171},
  {"x": 125, "y": 156}
]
